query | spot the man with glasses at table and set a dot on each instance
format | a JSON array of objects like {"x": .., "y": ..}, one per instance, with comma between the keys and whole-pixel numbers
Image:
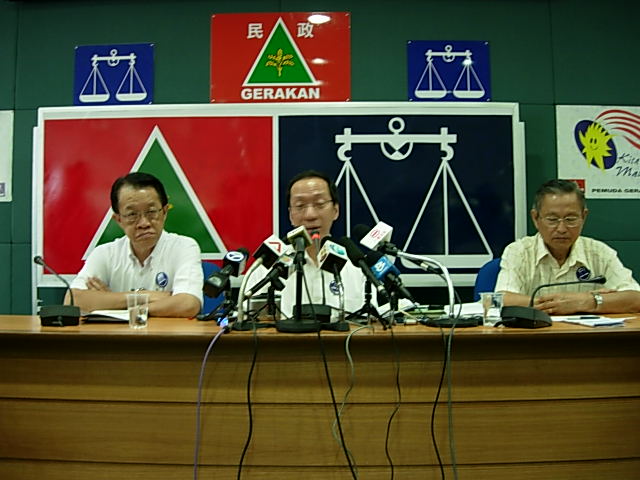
[
  {"x": 312, "y": 199},
  {"x": 165, "y": 265},
  {"x": 558, "y": 253}
]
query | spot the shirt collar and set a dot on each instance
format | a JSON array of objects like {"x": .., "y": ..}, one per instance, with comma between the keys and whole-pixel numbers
[
  {"x": 157, "y": 248},
  {"x": 576, "y": 255}
]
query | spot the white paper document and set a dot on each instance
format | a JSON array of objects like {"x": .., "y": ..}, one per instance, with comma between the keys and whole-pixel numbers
[
  {"x": 107, "y": 316},
  {"x": 589, "y": 320},
  {"x": 474, "y": 308}
]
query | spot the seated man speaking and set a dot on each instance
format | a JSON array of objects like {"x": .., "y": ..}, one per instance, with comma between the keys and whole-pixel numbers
[
  {"x": 313, "y": 203},
  {"x": 558, "y": 253},
  {"x": 164, "y": 265}
]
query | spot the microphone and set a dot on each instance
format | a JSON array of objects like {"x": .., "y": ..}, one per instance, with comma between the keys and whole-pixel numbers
[
  {"x": 299, "y": 238},
  {"x": 599, "y": 279},
  {"x": 58, "y": 315},
  {"x": 357, "y": 258},
  {"x": 332, "y": 256},
  {"x": 315, "y": 238},
  {"x": 270, "y": 251},
  {"x": 232, "y": 266},
  {"x": 376, "y": 238},
  {"x": 386, "y": 271},
  {"x": 530, "y": 317},
  {"x": 281, "y": 268}
]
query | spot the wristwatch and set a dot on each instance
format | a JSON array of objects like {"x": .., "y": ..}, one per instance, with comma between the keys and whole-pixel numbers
[{"x": 598, "y": 298}]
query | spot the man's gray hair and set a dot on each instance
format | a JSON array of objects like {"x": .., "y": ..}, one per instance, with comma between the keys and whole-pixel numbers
[{"x": 558, "y": 187}]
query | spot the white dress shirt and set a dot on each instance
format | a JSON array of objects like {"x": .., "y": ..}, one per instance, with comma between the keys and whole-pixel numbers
[{"x": 173, "y": 266}]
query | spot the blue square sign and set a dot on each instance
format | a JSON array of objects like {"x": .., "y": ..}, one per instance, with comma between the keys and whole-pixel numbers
[
  {"x": 113, "y": 74},
  {"x": 448, "y": 71}
]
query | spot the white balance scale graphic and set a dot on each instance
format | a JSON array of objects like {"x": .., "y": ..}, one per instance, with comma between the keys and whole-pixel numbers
[
  {"x": 390, "y": 146},
  {"x": 130, "y": 89},
  {"x": 468, "y": 85}
]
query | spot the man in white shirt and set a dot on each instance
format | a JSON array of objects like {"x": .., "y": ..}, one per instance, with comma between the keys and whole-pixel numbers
[
  {"x": 312, "y": 199},
  {"x": 558, "y": 253},
  {"x": 164, "y": 265}
]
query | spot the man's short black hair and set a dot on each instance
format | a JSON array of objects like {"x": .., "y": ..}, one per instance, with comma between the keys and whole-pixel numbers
[
  {"x": 137, "y": 180},
  {"x": 558, "y": 187},
  {"x": 333, "y": 190}
]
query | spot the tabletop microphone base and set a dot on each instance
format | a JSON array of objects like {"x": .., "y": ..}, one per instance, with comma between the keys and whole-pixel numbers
[
  {"x": 524, "y": 317},
  {"x": 304, "y": 325},
  {"x": 59, "y": 316}
]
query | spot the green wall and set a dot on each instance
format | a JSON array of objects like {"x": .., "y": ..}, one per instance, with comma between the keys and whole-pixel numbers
[{"x": 543, "y": 53}]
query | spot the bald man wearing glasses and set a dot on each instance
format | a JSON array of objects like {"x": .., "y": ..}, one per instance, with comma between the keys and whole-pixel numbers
[
  {"x": 167, "y": 266},
  {"x": 558, "y": 253}
]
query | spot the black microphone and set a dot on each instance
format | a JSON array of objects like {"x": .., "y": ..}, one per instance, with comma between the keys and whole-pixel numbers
[
  {"x": 530, "y": 317},
  {"x": 232, "y": 266},
  {"x": 386, "y": 271},
  {"x": 599, "y": 279},
  {"x": 270, "y": 251},
  {"x": 357, "y": 258},
  {"x": 58, "y": 315},
  {"x": 281, "y": 268}
]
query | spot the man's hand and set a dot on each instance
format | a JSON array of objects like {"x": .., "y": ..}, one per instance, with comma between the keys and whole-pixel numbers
[
  {"x": 565, "y": 303},
  {"x": 94, "y": 283}
]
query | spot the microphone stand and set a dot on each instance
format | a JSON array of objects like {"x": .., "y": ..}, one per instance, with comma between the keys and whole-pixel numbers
[
  {"x": 58, "y": 315},
  {"x": 297, "y": 324},
  {"x": 240, "y": 324},
  {"x": 271, "y": 302},
  {"x": 530, "y": 317},
  {"x": 393, "y": 307},
  {"x": 367, "y": 310},
  {"x": 426, "y": 264},
  {"x": 341, "y": 324}
]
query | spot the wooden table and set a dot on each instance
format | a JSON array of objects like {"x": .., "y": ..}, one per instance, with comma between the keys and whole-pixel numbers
[{"x": 106, "y": 402}]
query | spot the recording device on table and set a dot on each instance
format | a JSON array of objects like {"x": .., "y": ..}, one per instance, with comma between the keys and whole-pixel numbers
[
  {"x": 58, "y": 315},
  {"x": 530, "y": 317},
  {"x": 220, "y": 282}
]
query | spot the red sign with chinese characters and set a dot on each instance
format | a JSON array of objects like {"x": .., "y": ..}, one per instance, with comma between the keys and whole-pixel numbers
[{"x": 280, "y": 57}]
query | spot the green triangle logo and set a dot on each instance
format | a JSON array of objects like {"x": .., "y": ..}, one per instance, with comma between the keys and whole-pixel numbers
[
  {"x": 186, "y": 215},
  {"x": 280, "y": 61}
]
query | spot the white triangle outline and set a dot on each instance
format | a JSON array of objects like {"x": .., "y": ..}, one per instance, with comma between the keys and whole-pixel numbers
[
  {"x": 156, "y": 135},
  {"x": 262, "y": 50}
]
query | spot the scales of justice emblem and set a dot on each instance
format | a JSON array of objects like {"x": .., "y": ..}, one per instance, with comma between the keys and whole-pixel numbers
[
  {"x": 431, "y": 86},
  {"x": 130, "y": 89},
  {"x": 397, "y": 146}
]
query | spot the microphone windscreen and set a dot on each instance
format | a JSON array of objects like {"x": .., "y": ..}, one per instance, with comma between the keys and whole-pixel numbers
[
  {"x": 327, "y": 239},
  {"x": 360, "y": 231},
  {"x": 353, "y": 252},
  {"x": 38, "y": 259},
  {"x": 372, "y": 257},
  {"x": 601, "y": 279}
]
